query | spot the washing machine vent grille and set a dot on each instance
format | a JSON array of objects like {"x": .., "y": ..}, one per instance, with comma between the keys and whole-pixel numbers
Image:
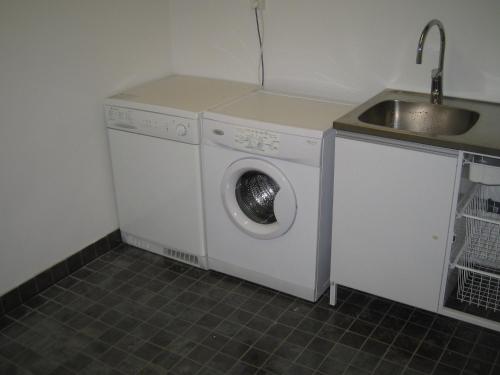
[{"x": 183, "y": 257}]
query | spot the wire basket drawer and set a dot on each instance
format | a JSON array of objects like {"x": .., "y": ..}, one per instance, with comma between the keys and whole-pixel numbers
[
  {"x": 484, "y": 169},
  {"x": 479, "y": 260}
]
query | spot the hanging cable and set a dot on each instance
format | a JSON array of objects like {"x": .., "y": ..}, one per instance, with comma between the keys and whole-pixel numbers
[{"x": 261, "y": 42}]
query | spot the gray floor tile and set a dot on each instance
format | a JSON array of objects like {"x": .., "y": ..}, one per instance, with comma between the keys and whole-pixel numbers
[{"x": 130, "y": 311}]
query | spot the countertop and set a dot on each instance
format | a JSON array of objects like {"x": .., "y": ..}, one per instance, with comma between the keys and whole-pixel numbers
[
  {"x": 483, "y": 137},
  {"x": 187, "y": 93},
  {"x": 283, "y": 109}
]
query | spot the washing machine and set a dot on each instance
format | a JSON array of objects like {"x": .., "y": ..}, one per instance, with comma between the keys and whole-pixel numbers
[
  {"x": 267, "y": 168},
  {"x": 154, "y": 138}
]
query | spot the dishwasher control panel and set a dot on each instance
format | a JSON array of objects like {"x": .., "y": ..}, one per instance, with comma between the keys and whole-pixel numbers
[{"x": 151, "y": 123}]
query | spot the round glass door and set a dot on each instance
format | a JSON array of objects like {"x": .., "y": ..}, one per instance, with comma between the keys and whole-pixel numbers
[
  {"x": 255, "y": 193},
  {"x": 258, "y": 198}
]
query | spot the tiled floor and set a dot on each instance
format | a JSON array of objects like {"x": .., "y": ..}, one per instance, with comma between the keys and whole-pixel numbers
[{"x": 132, "y": 312}]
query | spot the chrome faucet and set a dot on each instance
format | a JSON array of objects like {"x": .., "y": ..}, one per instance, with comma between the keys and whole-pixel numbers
[{"x": 437, "y": 74}]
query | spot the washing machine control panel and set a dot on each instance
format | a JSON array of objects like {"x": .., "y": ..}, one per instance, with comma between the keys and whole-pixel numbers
[
  {"x": 151, "y": 123},
  {"x": 256, "y": 139}
]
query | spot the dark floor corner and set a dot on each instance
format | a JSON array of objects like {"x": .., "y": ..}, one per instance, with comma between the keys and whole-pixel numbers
[
  {"x": 29, "y": 289},
  {"x": 132, "y": 312}
]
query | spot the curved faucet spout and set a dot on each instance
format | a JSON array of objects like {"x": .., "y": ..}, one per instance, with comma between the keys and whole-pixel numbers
[{"x": 437, "y": 74}]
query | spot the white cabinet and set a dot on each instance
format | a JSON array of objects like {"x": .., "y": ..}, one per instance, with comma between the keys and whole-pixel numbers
[{"x": 391, "y": 214}]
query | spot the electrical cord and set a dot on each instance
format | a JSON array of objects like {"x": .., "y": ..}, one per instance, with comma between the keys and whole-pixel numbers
[{"x": 260, "y": 47}]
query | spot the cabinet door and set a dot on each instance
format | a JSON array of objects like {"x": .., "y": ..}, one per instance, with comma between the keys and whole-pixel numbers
[{"x": 391, "y": 212}]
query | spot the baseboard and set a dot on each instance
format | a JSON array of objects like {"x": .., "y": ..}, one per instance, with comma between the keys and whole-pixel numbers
[
  {"x": 43, "y": 280},
  {"x": 262, "y": 279}
]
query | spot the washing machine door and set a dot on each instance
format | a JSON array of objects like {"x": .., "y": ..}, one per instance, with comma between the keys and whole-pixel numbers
[{"x": 258, "y": 198}]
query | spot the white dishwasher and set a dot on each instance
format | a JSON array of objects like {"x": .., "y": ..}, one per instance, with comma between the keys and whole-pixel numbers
[{"x": 154, "y": 137}]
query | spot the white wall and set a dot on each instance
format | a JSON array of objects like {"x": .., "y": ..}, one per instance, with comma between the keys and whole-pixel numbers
[
  {"x": 341, "y": 49},
  {"x": 58, "y": 60}
]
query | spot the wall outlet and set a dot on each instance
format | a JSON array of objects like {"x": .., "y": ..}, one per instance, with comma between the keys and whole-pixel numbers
[{"x": 259, "y": 4}]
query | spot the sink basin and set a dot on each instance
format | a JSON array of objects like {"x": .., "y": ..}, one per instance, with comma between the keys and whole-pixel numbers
[{"x": 431, "y": 119}]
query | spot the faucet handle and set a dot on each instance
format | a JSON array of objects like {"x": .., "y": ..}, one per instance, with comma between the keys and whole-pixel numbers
[
  {"x": 436, "y": 86},
  {"x": 436, "y": 74}
]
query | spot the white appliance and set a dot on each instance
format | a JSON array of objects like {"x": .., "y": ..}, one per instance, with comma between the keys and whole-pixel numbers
[
  {"x": 267, "y": 183},
  {"x": 154, "y": 136}
]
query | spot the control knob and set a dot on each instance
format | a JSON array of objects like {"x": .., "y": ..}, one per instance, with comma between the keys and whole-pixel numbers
[{"x": 181, "y": 130}]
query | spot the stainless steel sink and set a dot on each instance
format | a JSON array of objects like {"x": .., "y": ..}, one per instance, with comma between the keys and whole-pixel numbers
[{"x": 431, "y": 119}]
